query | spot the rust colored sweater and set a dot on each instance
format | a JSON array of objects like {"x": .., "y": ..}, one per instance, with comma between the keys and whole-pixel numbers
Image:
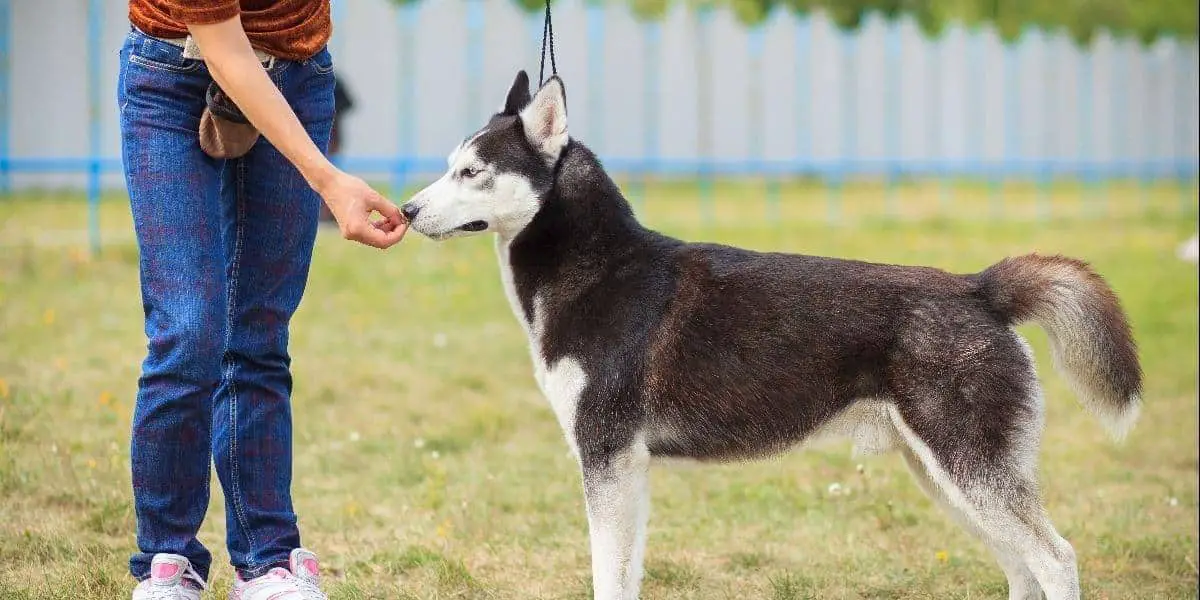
[{"x": 288, "y": 29}]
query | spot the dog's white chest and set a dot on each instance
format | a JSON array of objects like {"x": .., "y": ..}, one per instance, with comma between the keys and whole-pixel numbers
[{"x": 563, "y": 382}]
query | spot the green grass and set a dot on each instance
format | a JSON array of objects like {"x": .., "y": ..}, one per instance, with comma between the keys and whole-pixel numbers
[{"x": 429, "y": 467}]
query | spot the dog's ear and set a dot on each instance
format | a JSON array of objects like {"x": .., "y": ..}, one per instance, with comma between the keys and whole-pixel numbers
[
  {"x": 545, "y": 119},
  {"x": 518, "y": 95}
]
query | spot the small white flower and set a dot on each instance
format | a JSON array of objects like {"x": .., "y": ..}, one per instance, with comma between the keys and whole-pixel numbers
[
  {"x": 354, "y": 436},
  {"x": 435, "y": 454},
  {"x": 439, "y": 340},
  {"x": 1173, "y": 501},
  {"x": 419, "y": 443},
  {"x": 835, "y": 489},
  {"x": 1190, "y": 250}
]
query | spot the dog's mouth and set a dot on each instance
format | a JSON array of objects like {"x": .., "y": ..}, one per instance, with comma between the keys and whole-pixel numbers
[{"x": 474, "y": 226}]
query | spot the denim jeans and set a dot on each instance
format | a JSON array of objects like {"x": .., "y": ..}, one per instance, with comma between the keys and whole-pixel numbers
[{"x": 225, "y": 247}]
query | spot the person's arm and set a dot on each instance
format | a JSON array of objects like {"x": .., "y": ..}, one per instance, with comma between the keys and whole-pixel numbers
[{"x": 234, "y": 66}]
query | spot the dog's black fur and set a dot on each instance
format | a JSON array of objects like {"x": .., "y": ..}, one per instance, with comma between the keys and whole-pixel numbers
[
  {"x": 743, "y": 352},
  {"x": 711, "y": 352}
]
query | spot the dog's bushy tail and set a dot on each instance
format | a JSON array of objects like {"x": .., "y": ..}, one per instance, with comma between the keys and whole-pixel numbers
[{"x": 1089, "y": 332}]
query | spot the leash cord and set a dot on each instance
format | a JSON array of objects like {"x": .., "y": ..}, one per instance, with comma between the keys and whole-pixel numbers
[{"x": 547, "y": 36}]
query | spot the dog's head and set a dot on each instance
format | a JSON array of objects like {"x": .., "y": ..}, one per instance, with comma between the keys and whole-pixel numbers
[{"x": 498, "y": 175}]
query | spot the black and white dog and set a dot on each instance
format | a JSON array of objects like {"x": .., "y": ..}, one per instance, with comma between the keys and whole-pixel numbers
[{"x": 650, "y": 347}]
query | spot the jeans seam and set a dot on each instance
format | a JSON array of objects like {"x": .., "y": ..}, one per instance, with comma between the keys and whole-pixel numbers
[
  {"x": 235, "y": 472},
  {"x": 155, "y": 65},
  {"x": 321, "y": 69}
]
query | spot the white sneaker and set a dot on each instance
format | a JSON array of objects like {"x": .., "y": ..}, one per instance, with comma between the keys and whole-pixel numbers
[
  {"x": 300, "y": 581},
  {"x": 171, "y": 578}
]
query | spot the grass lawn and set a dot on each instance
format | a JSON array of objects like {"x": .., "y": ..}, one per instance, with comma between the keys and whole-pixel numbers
[{"x": 428, "y": 465}]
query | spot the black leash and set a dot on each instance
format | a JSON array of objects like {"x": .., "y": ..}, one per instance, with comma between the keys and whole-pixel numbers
[{"x": 547, "y": 35}]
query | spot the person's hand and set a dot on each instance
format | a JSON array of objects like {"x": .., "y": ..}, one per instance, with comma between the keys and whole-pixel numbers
[{"x": 352, "y": 202}]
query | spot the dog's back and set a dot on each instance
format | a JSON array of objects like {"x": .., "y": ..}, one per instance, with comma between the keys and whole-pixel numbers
[{"x": 747, "y": 353}]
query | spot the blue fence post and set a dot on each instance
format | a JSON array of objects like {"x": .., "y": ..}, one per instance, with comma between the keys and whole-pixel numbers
[
  {"x": 977, "y": 111},
  {"x": 406, "y": 22},
  {"x": 651, "y": 31},
  {"x": 1047, "y": 97},
  {"x": 1145, "y": 168},
  {"x": 754, "y": 45},
  {"x": 1119, "y": 113},
  {"x": 338, "y": 14},
  {"x": 1191, "y": 172},
  {"x": 1084, "y": 140},
  {"x": 95, "y": 53},
  {"x": 891, "y": 126},
  {"x": 933, "y": 125},
  {"x": 1179, "y": 76},
  {"x": 535, "y": 21},
  {"x": 1102, "y": 176},
  {"x": 595, "y": 39},
  {"x": 803, "y": 105},
  {"x": 338, "y": 44},
  {"x": 703, "y": 17},
  {"x": 5, "y": 74},
  {"x": 475, "y": 24},
  {"x": 1012, "y": 114},
  {"x": 848, "y": 109}
]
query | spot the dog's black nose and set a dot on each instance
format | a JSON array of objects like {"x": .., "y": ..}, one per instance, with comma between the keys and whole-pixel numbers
[{"x": 410, "y": 211}]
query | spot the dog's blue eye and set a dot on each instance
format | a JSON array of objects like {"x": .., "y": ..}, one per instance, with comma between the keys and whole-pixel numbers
[{"x": 468, "y": 172}]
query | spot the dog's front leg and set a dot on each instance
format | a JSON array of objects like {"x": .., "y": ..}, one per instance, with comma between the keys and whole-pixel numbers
[{"x": 617, "y": 494}]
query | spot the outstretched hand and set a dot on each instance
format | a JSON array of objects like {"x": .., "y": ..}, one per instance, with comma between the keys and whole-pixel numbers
[{"x": 352, "y": 202}]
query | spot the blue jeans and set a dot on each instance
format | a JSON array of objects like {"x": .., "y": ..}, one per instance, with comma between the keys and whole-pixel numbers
[{"x": 225, "y": 247}]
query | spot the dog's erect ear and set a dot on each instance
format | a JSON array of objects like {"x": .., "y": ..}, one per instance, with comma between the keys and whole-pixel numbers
[
  {"x": 545, "y": 119},
  {"x": 518, "y": 95}
]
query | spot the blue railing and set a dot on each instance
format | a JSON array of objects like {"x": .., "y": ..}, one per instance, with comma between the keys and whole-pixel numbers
[{"x": 1016, "y": 161}]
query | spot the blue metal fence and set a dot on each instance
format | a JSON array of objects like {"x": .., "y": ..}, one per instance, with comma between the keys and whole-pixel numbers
[
  {"x": 5, "y": 76},
  {"x": 1017, "y": 160}
]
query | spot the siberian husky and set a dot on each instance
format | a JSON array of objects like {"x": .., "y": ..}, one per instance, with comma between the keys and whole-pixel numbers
[{"x": 651, "y": 347}]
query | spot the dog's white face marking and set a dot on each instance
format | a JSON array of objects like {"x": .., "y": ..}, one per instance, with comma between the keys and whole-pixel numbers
[
  {"x": 475, "y": 194},
  {"x": 472, "y": 197}
]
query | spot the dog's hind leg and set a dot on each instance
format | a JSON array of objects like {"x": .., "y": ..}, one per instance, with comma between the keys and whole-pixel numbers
[
  {"x": 1022, "y": 585},
  {"x": 996, "y": 495},
  {"x": 617, "y": 495}
]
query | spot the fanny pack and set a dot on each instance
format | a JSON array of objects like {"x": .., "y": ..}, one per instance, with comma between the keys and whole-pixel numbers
[{"x": 224, "y": 131}]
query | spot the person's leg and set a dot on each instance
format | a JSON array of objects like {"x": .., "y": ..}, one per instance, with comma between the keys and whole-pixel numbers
[
  {"x": 272, "y": 231},
  {"x": 173, "y": 193}
]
